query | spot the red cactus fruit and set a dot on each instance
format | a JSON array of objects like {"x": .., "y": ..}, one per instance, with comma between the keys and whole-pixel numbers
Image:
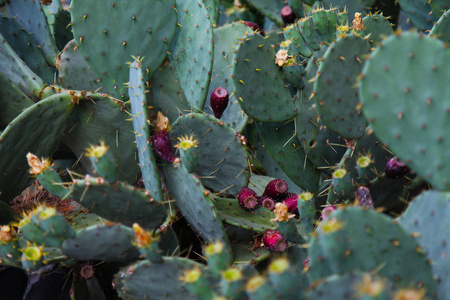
[
  {"x": 276, "y": 189},
  {"x": 395, "y": 168},
  {"x": 162, "y": 145},
  {"x": 255, "y": 27},
  {"x": 288, "y": 15},
  {"x": 363, "y": 196},
  {"x": 267, "y": 202},
  {"x": 219, "y": 101},
  {"x": 291, "y": 202},
  {"x": 274, "y": 241},
  {"x": 247, "y": 198}
]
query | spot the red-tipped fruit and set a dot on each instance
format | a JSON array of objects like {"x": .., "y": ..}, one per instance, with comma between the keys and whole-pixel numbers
[
  {"x": 162, "y": 145},
  {"x": 247, "y": 198},
  {"x": 267, "y": 202},
  {"x": 219, "y": 101},
  {"x": 274, "y": 241},
  {"x": 255, "y": 27},
  {"x": 396, "y": 168},
  {"x": 288, "y": 15},
  {"x": 276, "y": 189},
  {"x": 291, "y": 202}
]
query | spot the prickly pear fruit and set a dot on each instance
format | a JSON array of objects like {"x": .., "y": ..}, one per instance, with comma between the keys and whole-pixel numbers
[
  {"x": 267, "y": 202},
  {"x": 363, "y": 196},
  {"x": 163, "y": 146},
  {"x": 219, "y": 101},
  {"x": 274, "y": 241},
  {"x": 396, "y": 168},
  {"x": 291, "y": 202},
  {"x": 288, "y": 15},
  {"x": 254, "y": 26},
  {"x": 247, "y": 198},
  {"x": 276, "y": 189}
]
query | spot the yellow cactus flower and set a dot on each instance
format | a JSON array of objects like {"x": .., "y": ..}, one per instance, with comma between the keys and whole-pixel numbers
[{"x": 37, "y": 165}]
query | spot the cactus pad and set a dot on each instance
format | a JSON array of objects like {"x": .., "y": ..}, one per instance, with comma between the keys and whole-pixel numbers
[{"x": 411, "y": 116}]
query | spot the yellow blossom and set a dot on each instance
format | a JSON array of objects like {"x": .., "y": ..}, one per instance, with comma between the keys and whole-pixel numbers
[
  {"x": 358, "y": 22},
  {"x": 282, "y": 57},
  {"x": 162, "y": 122}
]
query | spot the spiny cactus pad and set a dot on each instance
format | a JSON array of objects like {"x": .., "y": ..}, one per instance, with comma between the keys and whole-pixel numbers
[
  {"x": 108, "y": 242},
  {"x": 109, "y": 32},
  {"x": 42, "y": 138},
  {"x": 411, "y": 116},
  {"x": 428, "y": 214},
  {"x": 336, "y": 93},
  {"x": 138, "y": 103},
  {"x": 358, "y": 239},
  {"x": 222, "y": 159},
  {"x": 118, "y": 202},
  {"x": 259, "y": 83},
  {"x": 192, "y": 51}
]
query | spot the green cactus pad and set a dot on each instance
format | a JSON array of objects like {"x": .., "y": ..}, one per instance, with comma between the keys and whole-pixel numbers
[
  {"x": 192, "y": 51},
  {"x": 107, "y": 242},
  {"x": 102, "y": 119},
  {"x": 336, "y": 93},
  {"x": 441, "y": 29},
  {"x": 138, "y": 103},
  {"x": 145, "y": 280},
  {"x": 378, "y": 26},
  {"x": 30, "y": 15},
  {"x": 109, "y": 32},
  {"x": 195, "y": 204},
  {"x": 259, "y": 83},
  {"x": 309, "y": 32},
  {"x": 424, "y": 217},
  {"x": 352, "y": 286},
  {"x": 222, "y": 158},
  {"x": 226, "y": 39},
  {"x": 26, "y": 48},
  {"x": 62, "y": 29},
  {"x": 419, "y": 12},
  {"x": 18, "y": 72},
  {"x": 411, "y": 117},
  {"x": 439, "y": 7},
  {"x": 38, "y": 130},
  {"x": 349, "y": 6},
  {"x": 293, "y": 33},
  {"x": 167, "y": 94},
  {"x": 322, "y": 146},
  {"x": 281, "y": 142},
  {"x": 232, "y": 213},
  {"x": 12, "y": 101},
  {"x": 74, "y": 72},
  {"x": 355, "y": 239},
  {"x": 118, "y": 202}
]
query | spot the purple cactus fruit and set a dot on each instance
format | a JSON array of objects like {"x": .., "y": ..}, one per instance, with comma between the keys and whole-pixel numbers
[
  {"x": 363, "y": 196},
  {"x": 395, "y": 168},
  {"x": 288, "y": 15},
  {"x": 219, "y": 101},
  {"x": 274, "y": 241},
  {"x": 247, "y": 198},
  {"x": 328, "y": 211},
  {"x": 162, "y": 145},
  {"x": 291, "y": 202},
  {"x": 255, "y": 27},
  {"x": 267, "y": 202},
  {"x": 276, "y": 189}
]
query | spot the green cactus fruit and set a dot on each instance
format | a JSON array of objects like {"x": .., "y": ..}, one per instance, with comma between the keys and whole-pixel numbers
[
  {"x": 357, "y": 239},
  {"x": 32, "y": 257},
  {"x": 257, "y": 287},
  {"x": 109, "y": 33},
  {"x": 285, "y": 279},
  {"x": 425, "y": 216},
  {"x": 307, "y": 210},
  {"x": 188, "y": 156},
  {"x": 232, "y": 284},
  {"x": 217, "y": 257},
  {"x": 414, "y": 125},
  {"x": 363, "y": 167},
  {"x": 342, "y": 184},
  {"x": 103, "y": 162}
]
